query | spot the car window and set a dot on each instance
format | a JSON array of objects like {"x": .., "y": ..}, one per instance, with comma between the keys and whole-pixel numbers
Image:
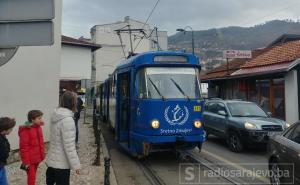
[
  {"x": 295, "y": 136},
  {"x": 212, "y": 107},
  {"x": 221, "y": 107},
  {"x": 289, "y": 132},
  {"x": 245, "y": 109}
]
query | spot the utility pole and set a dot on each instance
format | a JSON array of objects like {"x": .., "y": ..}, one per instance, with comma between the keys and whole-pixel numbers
[
  {"x": 193, "y": 42},
  {"x": 227, "y": 66},
  {"x": 158, "y": 48},
  {"x": 184, "y": 31}
]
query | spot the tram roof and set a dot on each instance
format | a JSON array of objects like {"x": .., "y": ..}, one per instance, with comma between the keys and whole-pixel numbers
[{"x": 147, "y": 58}]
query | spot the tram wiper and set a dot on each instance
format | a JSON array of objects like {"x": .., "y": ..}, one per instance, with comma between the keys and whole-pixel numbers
[
  {"x": 155, "y": 87},
  {"x": 180, "y": 89}
]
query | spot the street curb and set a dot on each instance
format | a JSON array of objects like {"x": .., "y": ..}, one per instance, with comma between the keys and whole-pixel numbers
[{"x": 105, "y": 153}]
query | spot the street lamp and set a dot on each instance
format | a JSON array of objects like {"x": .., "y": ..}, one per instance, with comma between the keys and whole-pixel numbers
[{"x": 184, "y": 30}]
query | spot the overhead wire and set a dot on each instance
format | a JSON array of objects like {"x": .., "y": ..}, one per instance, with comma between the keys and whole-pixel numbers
[{"x": 147, "y": 22}]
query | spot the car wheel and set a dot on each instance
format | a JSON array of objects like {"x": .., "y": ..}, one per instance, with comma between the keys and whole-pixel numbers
[
  {"x": 275, "y": 174},
  {"x": 235, "y": 143}
]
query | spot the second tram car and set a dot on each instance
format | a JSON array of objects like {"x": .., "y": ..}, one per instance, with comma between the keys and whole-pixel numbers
[{"x": 153, "y": 102}]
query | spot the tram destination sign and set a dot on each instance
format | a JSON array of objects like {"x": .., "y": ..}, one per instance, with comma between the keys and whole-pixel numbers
[
  {"x": 26, "y": 23},
  {"x": 231, "y": 54}
]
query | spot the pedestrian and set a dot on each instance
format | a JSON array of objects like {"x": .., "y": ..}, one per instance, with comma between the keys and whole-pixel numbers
[
  {"x": 79, "y": 107},
  {"x": 62, "y": 154},
  {"x": 32, "y": 149},
  {"x": 6, "y": 126}
]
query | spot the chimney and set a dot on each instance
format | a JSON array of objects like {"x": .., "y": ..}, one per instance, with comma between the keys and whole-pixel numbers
[{"x": 126, "y": 19}]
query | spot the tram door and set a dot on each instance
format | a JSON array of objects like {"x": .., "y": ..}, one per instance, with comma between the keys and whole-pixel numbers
[{"x": 124, "y": 107}]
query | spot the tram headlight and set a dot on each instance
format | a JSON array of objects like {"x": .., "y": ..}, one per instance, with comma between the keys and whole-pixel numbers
[
  {"x": 155, "y": 124},
  {"x": 197, "y": 124}
]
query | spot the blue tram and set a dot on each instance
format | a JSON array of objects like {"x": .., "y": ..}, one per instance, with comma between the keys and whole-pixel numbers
[{"x": 153, "y": 102}]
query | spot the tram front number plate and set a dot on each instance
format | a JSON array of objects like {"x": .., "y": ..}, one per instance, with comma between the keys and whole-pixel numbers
[{"x": 197, "y": 108}]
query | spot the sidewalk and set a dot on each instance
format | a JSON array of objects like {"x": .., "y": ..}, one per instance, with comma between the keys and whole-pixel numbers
[{"x": 90, "y": 174}]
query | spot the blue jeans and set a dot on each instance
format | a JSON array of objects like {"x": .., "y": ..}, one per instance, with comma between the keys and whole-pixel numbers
[{"x": 3, "y": 178}]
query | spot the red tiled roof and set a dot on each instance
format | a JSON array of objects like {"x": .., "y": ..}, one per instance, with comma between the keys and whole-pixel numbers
[
  {"x": 234, "y": 65},
  {"x": 216, "y": 75},
  {"x": 72, "y": 41},
  {"x": 286, "y": 52}
]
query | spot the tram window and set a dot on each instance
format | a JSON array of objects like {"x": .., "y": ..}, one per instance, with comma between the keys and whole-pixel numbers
[
  {"x": 172, "y": 82},
  {"x": 169, "y": 82},
  {"x": 213, "y": 108},
  {"x": 140, "y": 84}
]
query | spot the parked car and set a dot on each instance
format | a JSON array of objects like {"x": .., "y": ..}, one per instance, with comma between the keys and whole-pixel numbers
[
  {"x": 241, "y": 123},
  {"x": 284, "y": 160}
]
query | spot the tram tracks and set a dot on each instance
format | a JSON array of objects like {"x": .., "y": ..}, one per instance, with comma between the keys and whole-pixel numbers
[
  {"x": 209, "y": 165},
  {"x": 151, "y": 175}
]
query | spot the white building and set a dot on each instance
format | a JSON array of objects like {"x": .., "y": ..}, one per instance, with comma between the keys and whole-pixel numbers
[
  {"x": 111, "y": 53},
  {"x": 30, "y": 81},
  {"x": 76, "y": 62}
]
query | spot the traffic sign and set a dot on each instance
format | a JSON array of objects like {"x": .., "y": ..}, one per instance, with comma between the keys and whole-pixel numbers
[
  {"x": 26, "y": 34},
  {"x": 26, "y": 10},
  {"x": 237, "y": 54},
  {"x": 26, "y": 23},
  {"x": 6, "y": 54}
]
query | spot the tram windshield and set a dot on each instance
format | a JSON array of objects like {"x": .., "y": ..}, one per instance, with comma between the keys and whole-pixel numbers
[{"x": 168, "y": 82}]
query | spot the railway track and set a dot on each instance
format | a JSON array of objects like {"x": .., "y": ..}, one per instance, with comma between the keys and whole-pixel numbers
[
  {"x": 194, "y": 157},
  {"x": 151, "y": 175}
]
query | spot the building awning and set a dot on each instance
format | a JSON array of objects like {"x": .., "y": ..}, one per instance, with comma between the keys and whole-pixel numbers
[
  {"x": 268, "y": 69},
  {"x": 262, "y": 69}
]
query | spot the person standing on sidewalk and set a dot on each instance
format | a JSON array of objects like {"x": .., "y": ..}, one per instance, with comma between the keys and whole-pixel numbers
[
  {"x": 79, "y": 107},
  {"x": 62, "y": 154},
  {"x": 32, "y": 148},
  {"x": 6, "y": 126}
]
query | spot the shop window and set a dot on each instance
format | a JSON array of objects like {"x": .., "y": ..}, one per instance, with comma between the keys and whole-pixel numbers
[
  {"x": 271, "y": 97},
  {"x": 264, "y": 99},
  {"x": 278, "y": 103}
]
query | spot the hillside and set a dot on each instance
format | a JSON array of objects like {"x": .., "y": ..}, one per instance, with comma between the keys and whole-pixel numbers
[{"x": 236, "y": 37}]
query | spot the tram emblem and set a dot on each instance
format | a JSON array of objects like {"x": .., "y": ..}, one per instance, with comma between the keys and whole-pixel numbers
[{"x": 176, "y": 115}]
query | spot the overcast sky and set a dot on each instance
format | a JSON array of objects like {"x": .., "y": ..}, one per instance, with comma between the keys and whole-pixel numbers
[{"x": 80, "y": 15}]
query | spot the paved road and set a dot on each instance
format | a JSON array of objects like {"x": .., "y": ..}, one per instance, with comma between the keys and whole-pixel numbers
[
  {"x": 166, "y": 165},
  {"x": 253, "y": 161}
]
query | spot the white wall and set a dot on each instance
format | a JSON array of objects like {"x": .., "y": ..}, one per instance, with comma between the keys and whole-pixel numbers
[
  {"x": 111, "y": 53},
  {"x": 291, "y": 97},
  {"x": 162, "y": 40},
  {"x": 76, "y": 63},
  {"x": 30, "y": 81},
  {"x": 107, "y": 58}
]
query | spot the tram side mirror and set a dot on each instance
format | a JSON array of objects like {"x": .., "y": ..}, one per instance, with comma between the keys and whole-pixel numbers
[
  {"x": 222, "y": 113},
  {"x": 269, "y": 114}
]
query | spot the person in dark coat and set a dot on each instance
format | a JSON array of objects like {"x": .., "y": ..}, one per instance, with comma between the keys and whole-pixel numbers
[
  {"x": 79, "y": 107},
  {"x": 6, "y": 126}
]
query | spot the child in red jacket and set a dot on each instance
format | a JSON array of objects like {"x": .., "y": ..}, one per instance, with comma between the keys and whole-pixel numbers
[{"x": 32, "y": 148}]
